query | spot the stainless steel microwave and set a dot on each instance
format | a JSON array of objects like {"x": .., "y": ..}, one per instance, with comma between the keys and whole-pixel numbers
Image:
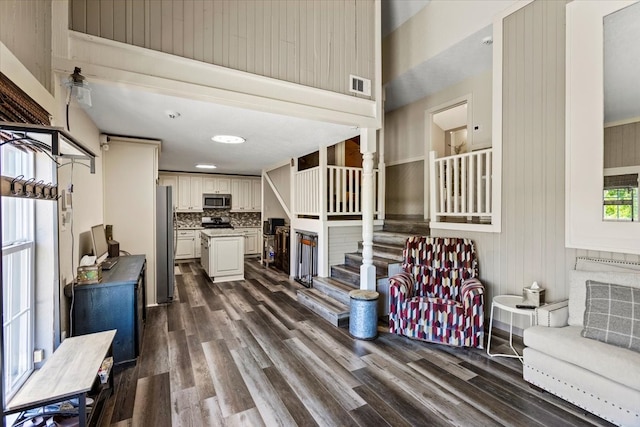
[{"x": 216, "y": 201}]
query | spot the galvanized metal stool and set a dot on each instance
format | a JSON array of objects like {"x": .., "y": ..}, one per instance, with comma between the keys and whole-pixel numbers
[{"x": 363, "y": 316}]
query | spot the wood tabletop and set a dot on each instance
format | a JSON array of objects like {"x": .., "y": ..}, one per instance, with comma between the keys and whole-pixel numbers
[{"x": 71, "y": 370}]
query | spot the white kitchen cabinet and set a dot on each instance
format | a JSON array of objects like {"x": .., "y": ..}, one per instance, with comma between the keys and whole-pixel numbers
[
  {"x": 185, "y": 241},
  {"x": 216, "y": 185},
  {"x": 251, "y": 239},
  {"x": 226, "y": 258},
  {"x": 246, "y": 195},
  {"x": 170, "y": 181},
  {"x": 240, "y": 194},
  {"x": 189, "y": 193},
  {"x": 256, "y": 195}
]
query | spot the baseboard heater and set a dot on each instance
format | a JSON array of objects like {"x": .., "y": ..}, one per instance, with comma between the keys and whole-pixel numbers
[{"x": 307, "y": 259}]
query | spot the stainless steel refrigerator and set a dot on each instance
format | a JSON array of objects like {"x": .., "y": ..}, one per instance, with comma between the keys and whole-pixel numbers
[{"x": 165, "y": 236}]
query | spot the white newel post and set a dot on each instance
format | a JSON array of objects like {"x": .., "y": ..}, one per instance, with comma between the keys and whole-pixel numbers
[{"x": 367, "y": 269}]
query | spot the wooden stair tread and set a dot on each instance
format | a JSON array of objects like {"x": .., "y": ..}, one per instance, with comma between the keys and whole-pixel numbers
[
  {"x": 323, "y": 305},
  {"x": 335, "y": 283}
]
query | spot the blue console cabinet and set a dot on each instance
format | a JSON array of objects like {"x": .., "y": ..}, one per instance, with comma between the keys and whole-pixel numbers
[{"x": 117, "y": 302}]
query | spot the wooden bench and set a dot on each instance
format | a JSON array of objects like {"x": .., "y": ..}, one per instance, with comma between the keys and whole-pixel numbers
[{"x": 70, "y": 372}]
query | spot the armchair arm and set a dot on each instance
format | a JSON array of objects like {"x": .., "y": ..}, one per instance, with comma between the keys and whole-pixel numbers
[
  {"x": 553, "y": 315},
  {"x": 401, "y": 289},
  {"x": 401, "y": 286},
  {"x": 471, "y": 290}
]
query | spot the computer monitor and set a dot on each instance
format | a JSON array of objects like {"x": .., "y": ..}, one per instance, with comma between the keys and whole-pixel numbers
[{"x": 100, "y": 245}]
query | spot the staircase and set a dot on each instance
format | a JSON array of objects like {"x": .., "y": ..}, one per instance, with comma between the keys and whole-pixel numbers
[{"x": 329, "y": 296}]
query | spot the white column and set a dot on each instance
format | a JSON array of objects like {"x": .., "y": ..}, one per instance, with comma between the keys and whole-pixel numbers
[{"x": 367, "y": 269}]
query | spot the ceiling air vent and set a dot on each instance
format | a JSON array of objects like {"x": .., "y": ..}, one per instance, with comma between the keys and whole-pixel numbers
[{"x": 359, "y": 85}]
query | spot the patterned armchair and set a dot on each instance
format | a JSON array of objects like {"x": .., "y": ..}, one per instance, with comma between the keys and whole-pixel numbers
[{"x": 438, "y": 296}]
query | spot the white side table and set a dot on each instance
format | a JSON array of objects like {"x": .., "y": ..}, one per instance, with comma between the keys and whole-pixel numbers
[{"x": 508, "y": 303}]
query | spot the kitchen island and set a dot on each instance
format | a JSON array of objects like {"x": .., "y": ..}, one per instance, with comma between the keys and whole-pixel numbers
[{"x": 222, "y": 254}]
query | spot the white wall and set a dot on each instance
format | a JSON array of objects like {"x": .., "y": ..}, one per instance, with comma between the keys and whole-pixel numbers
[
  {"x": 25, "y": 29},
  {"x": 314, "y": 43},
  {"x": 404, "y": 128},
  {"x": 130, "y": 174},
  {"x": 343, "y": 240},
  {"x": 404, "y": 189},
  {"x": 438, "y": 26},
  {"x": 271, "y": 206},
  {"x": 622, "y": 145},
  {"x": 74, "y": 239}
]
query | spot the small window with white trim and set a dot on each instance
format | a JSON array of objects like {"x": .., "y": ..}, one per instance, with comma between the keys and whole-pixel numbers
[{"x": 620, "y": 198}]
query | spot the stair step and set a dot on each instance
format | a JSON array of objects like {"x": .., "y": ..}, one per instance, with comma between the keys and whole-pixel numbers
[
  {"x": 346, "y": 273},
  {"x": 349, "y": 274},
  {"x": 409, "y": 225},
  {"x": 335, "y": 289},
  {"x": 384, "y": 250},
  {"x": 326, "y": 307},
  {"x": 390, "y": 237},
  {"x": 381, "y": 263}
]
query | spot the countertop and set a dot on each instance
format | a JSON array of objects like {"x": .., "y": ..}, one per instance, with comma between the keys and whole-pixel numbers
[
  {"x": 194, "y": 227},
  {"x": 221, "y": 232}
]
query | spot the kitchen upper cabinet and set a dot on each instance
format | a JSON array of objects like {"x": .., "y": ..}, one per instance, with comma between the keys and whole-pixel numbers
[
  {"x": 170, "y": 181},
  {"x": 256, "y": 195},
  {"x": 246, "y": 195},
  {"x": 216, "y": 185},
  {"x": 189, "y": 193},
  {"x": 240, "y": 195}
]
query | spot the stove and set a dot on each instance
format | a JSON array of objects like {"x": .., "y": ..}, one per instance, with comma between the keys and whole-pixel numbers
[{"x": 216, "y": 222}]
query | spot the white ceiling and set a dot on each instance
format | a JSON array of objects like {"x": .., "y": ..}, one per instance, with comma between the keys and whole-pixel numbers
[
  {"x": 622, "y": 64},
  {"x": 451, "y": 118},
  {"x": 186, "y": 140},
  {"x": 271, "y": 138}
]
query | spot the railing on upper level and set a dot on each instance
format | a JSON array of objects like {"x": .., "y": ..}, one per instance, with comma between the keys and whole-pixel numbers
[
  {"x": 307, "y": 192},
  {"x": 344, "y": 191},
  {"x": 461, "y": 187}
]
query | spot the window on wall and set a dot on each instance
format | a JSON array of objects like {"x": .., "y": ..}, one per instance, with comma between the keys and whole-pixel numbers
[
  {"x": 620, "y": 198},
  {"x": 18, "y": 273}
]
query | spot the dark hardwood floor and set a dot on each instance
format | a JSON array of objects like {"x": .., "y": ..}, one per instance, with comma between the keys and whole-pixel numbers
[{"x": 246, "y": 353}]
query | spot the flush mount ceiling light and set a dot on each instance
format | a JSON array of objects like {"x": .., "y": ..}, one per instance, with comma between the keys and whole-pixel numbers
[
  {"x": 172, "y": 114},
  {"x": 228, "y": 139},
  {"x": 203, "y": 166}
]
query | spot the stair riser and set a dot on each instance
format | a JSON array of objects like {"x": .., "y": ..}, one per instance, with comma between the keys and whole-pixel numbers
[
  {"x": 414, "y": 229},
  {"x": 336, "y": 319},
  {"x": 382, "y": 267},
  {"x": 335, "y": 293},
  {"x": 345, "y": 276},
  {"x": 384, "y": 252},
  {"x": 386, "y": 239}
]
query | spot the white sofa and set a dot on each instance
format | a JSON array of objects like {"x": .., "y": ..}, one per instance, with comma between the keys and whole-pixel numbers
[{"x": 602, "y": 378}]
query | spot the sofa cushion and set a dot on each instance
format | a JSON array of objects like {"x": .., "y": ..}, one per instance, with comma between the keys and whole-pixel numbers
[
  {"x": 578, "y": 289},
  {"x": 567, "y": 344},
  {"x": 440, "y": 282},
  {"x": 612, "y": 314}
]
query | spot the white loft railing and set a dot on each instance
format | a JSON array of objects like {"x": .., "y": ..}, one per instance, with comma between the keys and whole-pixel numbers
[
  {"x": 461, "y": 186},
  {"x": 307, "y": 192},
  {"x": 344, "y": 192}
]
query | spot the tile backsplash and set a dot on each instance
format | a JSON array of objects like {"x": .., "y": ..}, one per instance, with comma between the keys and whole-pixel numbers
[{"x": 238, "y": 219}]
